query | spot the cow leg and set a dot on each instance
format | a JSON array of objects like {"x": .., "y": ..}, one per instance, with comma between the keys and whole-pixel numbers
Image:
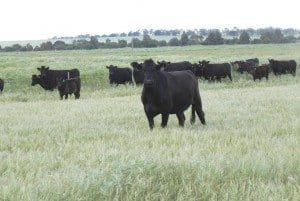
[
  {"x": 77, "y": 95},
  {"x": 229, "y": 75},
  {"x": 66, "y": 96},
  {"x": 61, "y": 95},
  {"x": 200, "y": 113},
  {"x": 193, "y": 116},
  {"x": 164, "y": 120},
  {"x": 181, "y": 118},
  {"x": 150, "y": 120}
]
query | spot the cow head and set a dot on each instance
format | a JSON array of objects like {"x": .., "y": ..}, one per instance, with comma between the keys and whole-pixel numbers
[
  {"x": 43, "y": 70},
  {"x": 163, "y": 64},
  {"x": 151, "y": 72},
  {"x": 112, "y": 70},
  {"x": 197, "y": 69},
  {"x": 235, "y": 65},
  {"x": 136, "y": 66},
  {"x": 271, "y": 61},
  {"x": 203, "y": 63},
  {"x": 35, "y": 80}
]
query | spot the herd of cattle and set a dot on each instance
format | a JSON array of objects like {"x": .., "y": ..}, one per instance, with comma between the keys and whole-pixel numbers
[
  {"x": 204, "y": 69},
  {"x": 168, "y": 88},
  {"x": 68, "y": 81}
]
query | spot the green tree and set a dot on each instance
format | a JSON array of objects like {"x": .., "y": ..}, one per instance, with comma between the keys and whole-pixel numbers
[
  {"x": 184, "y": 39},
  {"x": 59, "y": 45},
  {"x": 29, "y": 47},
  {"x": 174, "y": 42},
  {"x": 122, "y": 43},
  {"x": 278, "y": 36},
  {"x": 244, "y": 38},
  {"x": 214, "y": 38},
  {"x": 94, "y": 43},
  {"x": 46, "y": 46}
]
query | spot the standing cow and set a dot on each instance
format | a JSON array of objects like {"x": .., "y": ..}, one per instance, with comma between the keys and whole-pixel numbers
[
  {"x": 168, "y": 93},
  {"x": 119, "y": 75},
  {"x": 215, "y": 71},
  {"x": 50, "y": 77},
  {"x": 282, "y": 67}
]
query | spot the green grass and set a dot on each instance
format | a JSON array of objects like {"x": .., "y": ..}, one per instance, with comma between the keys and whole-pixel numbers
[{"x": 100, "y": 148}]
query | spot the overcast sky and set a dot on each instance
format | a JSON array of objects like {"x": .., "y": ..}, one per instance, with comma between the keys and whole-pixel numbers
[{"x": 43, "y": 19}]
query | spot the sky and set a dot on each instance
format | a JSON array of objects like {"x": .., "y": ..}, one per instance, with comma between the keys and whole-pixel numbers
[{"x": 43, "y": 19}]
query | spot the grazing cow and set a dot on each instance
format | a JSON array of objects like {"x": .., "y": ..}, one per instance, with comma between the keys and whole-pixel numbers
[
  {"x": 69, "y": 86},
  {"x": 260, "y": 72},
  {"x": 177, "y": 66},
  {"x": 283, "y": 67},
  {"x": 168, "y": 93},
  {"x": 215, "y": 71},
  {"x": 37, "y": 79},
  {"x": 1, "y": 85},
  {"x": 138, "y": 75},
  {"x": 119, "y": 75},
  {"x": 51, "y": 77}
]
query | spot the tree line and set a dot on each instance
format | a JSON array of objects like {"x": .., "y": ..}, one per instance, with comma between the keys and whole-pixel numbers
[
  {"x": 214, "y": 37},
  {"x": 234, "y": 32}
]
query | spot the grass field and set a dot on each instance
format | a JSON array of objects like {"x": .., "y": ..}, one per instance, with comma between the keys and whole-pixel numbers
[{"x": 100, "y": 148}]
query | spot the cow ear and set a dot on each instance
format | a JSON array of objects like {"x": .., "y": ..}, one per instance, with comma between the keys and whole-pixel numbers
[
  {"x": 207, "y": 62},
  {"x": 39, "y": 69},
  {"x": 47, "y": 68},
  {"x": 107, "y": 67}
]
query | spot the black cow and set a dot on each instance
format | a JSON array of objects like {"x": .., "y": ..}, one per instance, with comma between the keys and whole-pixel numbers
[
  {"x": 138, "y": 75},
  {"x": 168, "y": 93},
  {"x": 176, "y": 66},
  {"x": 283, "y": 66},
  {"x": 119, "y": 75},
  {"x": 215, "y": 71},
  {"x": 37, "y": 79},
  {"x": 69, "y": 86},
  {"x": 243, "y": 66},
  {"x": 1, "y": 85},
  {"x": 260, "y": 72},
  {"x": 50, "y": 77}
]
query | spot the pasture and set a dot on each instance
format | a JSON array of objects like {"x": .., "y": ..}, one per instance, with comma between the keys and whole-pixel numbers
[{"x": 100, "y": 147}]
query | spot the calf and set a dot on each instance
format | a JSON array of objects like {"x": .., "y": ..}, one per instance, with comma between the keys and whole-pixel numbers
[
  {"x": 215, "y": 71},
  {"x": 1, "y": 85},
  {"x": 69, "y": 86},
  {"x": 168, "y": 93},
  {"x": 260, "y": 72},
  {"x": 119, "y": 75}
]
